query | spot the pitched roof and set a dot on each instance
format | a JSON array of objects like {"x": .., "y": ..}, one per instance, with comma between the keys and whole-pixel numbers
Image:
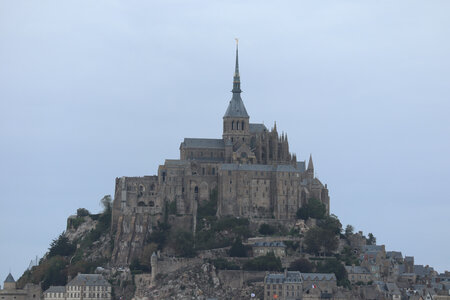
[
  {"x": 257, "y": 128},
  {"x": 261, "y": 168},
  {"x": 203, "y": 143},
  {"x": 236, "y": 107},
  {"x": 357, "y": 270},
  {"x": 9, "y": 278},
  {"x": 56, "y": 289},
  {"x": 292, "y": 277},
  {"x": 318, "y": 276},
  {"x": 88, "y": 279}
]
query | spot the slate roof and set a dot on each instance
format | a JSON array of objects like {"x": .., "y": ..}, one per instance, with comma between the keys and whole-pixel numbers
[
  {"x": 9, "y": 278},
  {"x": 394, "y": 254},
  {"x": 56, "y": 289},
  {"x": 88, "y": 280},
  {"x": 203, "y": 143},
  {"x": 236, "y": 107},
  {"x": 257, "y": 128},
  {"x": 318, "y": 276},
  {"x": 357, "y": 270},
  {"x": 392, "y": 288},
  {"x": 372, "y": 248},
  {"x": 269, "y": 244},
  {"x": 176, "y": 162},
  {"x": 261, "y": 168},
  {"x": 292, "y": 277}
]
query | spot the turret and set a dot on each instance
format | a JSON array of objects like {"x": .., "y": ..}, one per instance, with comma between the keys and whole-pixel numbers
[
  {"x": 310, "y": 169},
  {"x": 9, "y": 283}
]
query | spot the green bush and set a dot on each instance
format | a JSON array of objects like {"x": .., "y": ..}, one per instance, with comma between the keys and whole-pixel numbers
[
  {"x": 336, "y": 267},
  {"x": 303, "y": 265},
  {"x": 266, "y": 229},
  {"x": 82, "y": 212},
  {"x": 183, "y": 243},
  {"x": 223, "y": 264},
  {"x": 238, "y": 249},
  {"x": 263, "y": 263},
  {"x": 313, "y": 209}
]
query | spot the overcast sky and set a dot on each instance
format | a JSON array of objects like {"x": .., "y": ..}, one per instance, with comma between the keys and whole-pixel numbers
[{"x": 94, "y": 90}]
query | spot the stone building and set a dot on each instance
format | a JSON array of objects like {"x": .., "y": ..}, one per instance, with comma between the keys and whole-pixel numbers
[
  {"x": 83, "y": 286},
  {"x": 358, "y": 274},
  {"x": 264, "y": 248},
  {"x": 250, "y": 168},
  {"x": 11, "y": 292},
  {"x": 293, "y": 285}
]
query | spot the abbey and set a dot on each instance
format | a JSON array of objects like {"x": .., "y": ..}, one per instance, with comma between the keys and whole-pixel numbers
[{"x": 250, "y": 168}]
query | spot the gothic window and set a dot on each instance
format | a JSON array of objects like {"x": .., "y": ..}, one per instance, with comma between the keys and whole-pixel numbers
[
  {"x": 196, "y": 190},
  {"x": 242, "y": 126},
  {"x": 232, "y": 140},
  {"x": 237, "y": 125},
  {"x": 152, "y": 187},
  {"x": 203, "y": 171},
  {"x": 232, "y": 125},
  {"x": 151, "y": 204},
  {"x": 213, "y": 171}
]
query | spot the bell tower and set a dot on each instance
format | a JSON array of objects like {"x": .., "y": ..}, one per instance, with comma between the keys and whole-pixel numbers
[{"x": 236, "y": 120}]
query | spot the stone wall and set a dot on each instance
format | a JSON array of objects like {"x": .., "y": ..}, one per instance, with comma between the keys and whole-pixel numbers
[{"x": 237, "y": 278}]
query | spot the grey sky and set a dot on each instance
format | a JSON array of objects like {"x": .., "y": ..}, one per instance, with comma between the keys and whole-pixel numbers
[{"x": 93, "y": 90}]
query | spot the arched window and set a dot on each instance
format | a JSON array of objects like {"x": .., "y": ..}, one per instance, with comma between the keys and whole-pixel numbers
[
  {"x": 232, "y": 125},
  {"x": 242, "y": 127},
  {"x": 237, "y": 125}
]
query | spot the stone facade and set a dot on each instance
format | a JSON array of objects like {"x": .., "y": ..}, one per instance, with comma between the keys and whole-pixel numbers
[
  {"x": 293, "y": 285},
  {"x": 250, "y": 168},
  {"x": 11, "y": 292},
  {"x": 264, "y": 248},
  {"x": 83, "y": 286}
]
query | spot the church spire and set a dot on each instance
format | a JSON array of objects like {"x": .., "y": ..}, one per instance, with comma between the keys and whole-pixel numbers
[
  {"x": 237, "y": 77},
  {"x": 310, "y": 163}
]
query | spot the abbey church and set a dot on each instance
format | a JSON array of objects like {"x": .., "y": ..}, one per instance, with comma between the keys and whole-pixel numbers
[{"x": 250, "y": 167}]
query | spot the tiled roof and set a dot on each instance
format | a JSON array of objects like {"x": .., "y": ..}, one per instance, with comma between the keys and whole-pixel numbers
[
  {"x": 56, "y": 289},
  {"x": 203, "y": 143},
  {"x": 88, "y": 279}
]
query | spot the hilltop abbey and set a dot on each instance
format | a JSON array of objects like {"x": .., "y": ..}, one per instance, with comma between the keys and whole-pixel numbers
[{"x": 250, "y": 168}]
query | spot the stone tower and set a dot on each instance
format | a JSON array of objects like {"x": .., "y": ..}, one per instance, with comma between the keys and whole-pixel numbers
[
  {"x": 154, "y": 265},
  {"x": 10, "y": 283},
  {"x": 236, "y": 128}
]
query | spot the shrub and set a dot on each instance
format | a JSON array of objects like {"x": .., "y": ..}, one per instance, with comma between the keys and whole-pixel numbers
[
  {"x": 82, "y": 212},
  {"x": 264, "y": 263},
  {"x": 303, "y": 265},
  {"x": 183, "y": 243},
  {"x": 238, "y": 249},
  {"x": 266, "y": 229},
  {"x": 313, "y": 209},
  {"x": 223, "y": 264}
]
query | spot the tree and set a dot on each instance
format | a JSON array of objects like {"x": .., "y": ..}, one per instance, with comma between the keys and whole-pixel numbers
[
  {"x": 61, "y": 246},
  {"x": 183, "y": 243},
  {"x": 238, "y": 249},
  {"x": 372, "y": 240},
  {"x": 264, "y": 263},
  {"x": 349, "y": 230},
  {"x": 331, "y": 223},
  {"x": 82, "y": 212},
  {"x": 334, "y": 266},
  {"x": 303, "y": 265},
  {"x": 319, "y": 240},
  {"x": 266, "y": 229},
  {"x": 313, "y": 209},
  {"x": 106, "y": 202}
]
